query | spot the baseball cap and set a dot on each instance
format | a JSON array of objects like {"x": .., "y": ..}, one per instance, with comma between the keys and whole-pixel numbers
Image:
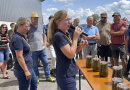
[{"x": 115, "y": 13}]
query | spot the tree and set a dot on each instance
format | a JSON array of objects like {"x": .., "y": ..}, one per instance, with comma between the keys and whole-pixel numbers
[{"x": 95, "y": 17}]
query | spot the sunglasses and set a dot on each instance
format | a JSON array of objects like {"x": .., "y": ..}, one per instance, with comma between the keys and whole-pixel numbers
[{"x": 103, "y": 17}]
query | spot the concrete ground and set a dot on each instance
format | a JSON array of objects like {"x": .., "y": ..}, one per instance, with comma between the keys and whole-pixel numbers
[{"x": 12, "y": 84}]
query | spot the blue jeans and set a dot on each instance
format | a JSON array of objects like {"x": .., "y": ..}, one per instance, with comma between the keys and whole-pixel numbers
[
  {"x": 66, "y": 83},
  {"x": 43, "y": 57},
  {"x": 23, "y": 83},
  {"x": 4, "y": 54}
]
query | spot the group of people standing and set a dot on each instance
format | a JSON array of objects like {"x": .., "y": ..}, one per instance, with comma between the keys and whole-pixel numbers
[
  {"x": 112, "y": 39},
  {"x": 108, "y": 39},
  {"x": 29, "y": 42},
  {"x": 105, "y": 38}
]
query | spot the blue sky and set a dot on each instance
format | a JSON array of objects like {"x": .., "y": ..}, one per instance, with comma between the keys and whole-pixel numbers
[{"x": 84, "y": 8}]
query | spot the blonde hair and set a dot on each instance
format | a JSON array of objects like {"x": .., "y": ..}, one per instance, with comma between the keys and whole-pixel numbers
[
  {"x": 59, "y": 15},
  {"x": 22, "y": 21}
]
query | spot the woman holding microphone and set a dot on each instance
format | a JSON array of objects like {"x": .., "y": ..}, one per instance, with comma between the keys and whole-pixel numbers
[{"x": 65, "y": 49}]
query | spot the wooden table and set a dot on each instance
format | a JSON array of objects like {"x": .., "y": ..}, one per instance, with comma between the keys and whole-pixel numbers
[{"x": 96, "y": 82}]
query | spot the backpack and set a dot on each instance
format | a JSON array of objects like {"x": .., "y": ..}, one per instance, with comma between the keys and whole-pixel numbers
[{"x": 10, "y": 63}]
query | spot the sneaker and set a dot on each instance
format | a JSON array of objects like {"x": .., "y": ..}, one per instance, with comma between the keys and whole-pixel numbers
[
  {"x": 50, "y": 79},
  {"x": 38, "y": 79}
]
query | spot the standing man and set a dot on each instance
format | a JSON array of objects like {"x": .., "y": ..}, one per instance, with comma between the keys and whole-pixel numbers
[
  {"x": 93, "y": 35},
  {"x": 10, "y": 34},
  {"x": 94, "y": 22},
  {"x": 118, "y": 29},
  {"x": 37, "y": 41},
  {"x": 75, "y": 24},
  {"x": 105, "y": 38},
  {"x": 11, "y": 31},
  {"x": 46, "y": 26}
]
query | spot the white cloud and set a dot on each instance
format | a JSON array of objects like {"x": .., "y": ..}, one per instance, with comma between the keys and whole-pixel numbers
[
  {"x": 51, "y": 9},
  {"x": 45, "y": 18},
  {"x": 47, "y": 13},
  {"x": 123, "y": 6},
  {"x": 69, "y": 4},
  {"x": 127, "y": 12},
  {"x": 80, "y": 13}
]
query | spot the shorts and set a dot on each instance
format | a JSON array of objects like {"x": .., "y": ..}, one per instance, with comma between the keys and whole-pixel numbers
[
  {"x": 105, "y": 51},
  {"x": 118, "y": 49},
  {"x": 4, "y": 55}
]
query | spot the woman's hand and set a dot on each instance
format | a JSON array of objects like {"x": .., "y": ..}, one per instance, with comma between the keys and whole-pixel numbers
[
  {"x": 8, "y": 40},
  {"x": 21, "y": 61},
  {"x": 77, "y": 33},
  {"x": 27, "y": 74},
  {"x": 83, "y": 44}
]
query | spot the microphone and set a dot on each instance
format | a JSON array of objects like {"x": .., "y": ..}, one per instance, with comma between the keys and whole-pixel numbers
[{"x": 83, "y": 33}]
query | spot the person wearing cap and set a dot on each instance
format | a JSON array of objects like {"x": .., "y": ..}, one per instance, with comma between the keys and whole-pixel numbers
[
  {"x": 37, "y": 40},
  {"x": 118, "y": 29},
  {"x": 23, "y": 67}
]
